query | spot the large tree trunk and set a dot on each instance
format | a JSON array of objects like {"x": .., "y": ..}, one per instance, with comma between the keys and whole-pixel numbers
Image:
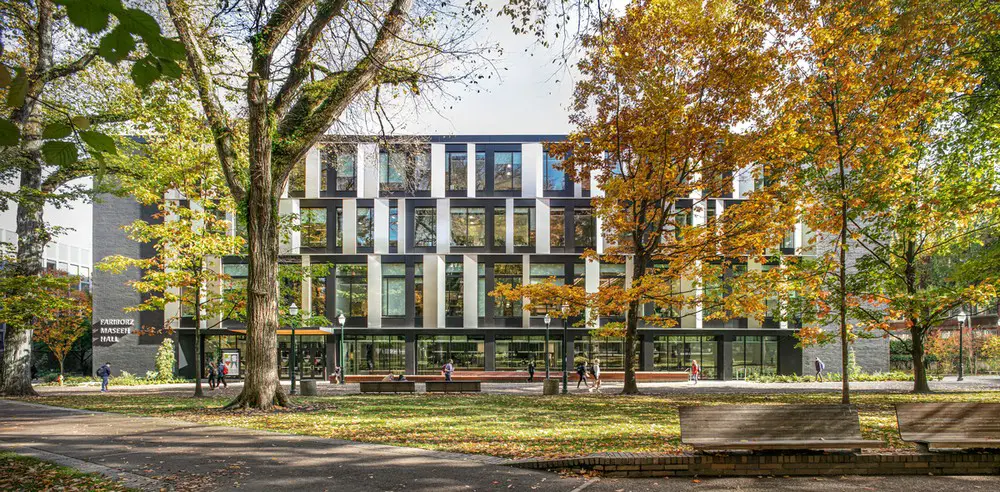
[
  {"x": 845, "y": 396},
  {"x": 261, "y": 386},
  {"x": 631, "y": 387},
  {"x": 917, "y": 351},
  {"x": 197, "y": 342},
  {"x": 16, "y": 372}
]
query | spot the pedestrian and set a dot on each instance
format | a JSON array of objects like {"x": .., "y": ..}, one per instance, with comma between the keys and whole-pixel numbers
[
  {"x": 595, "y": 370},
  {"x": 222, "y": 371},
  {"x": 448, "y": 369},
  {"x": 695, "y": 371},
  {"x": 581, "y": 372},
  {"x": 211, "y": 375},
  {"x": 531, "y": 371},
  {"x": 104, "y": 372},
  {"x": 820, "y": 366},
  {"x": 337, "y": 376}
]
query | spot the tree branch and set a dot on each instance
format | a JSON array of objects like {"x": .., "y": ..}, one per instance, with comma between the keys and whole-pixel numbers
[{"x": 71, "y": 67}]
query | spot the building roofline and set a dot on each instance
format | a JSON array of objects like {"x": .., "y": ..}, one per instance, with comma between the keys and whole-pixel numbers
[{"x": 519, "y": 138}]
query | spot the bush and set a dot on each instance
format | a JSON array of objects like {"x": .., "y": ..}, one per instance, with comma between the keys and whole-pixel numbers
[
  {"x": 124, "y": 379},
  {"x": 165, "y": 359},
  {"x": 862, "y": 377}
]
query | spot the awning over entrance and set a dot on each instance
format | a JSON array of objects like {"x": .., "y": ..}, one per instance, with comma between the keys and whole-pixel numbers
[{"x": 298, "y": 331}]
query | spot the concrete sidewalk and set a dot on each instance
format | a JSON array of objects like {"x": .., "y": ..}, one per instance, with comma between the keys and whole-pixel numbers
[{"x": 155, "y": 453}]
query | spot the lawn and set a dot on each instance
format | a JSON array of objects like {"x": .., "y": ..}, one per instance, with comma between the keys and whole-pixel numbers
[
  {"x": 501, "y": 425},
  {"x": 23, "y": 473}
]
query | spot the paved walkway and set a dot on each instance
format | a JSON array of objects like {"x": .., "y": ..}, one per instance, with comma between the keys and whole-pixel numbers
[{"x": 155, "y": 453}]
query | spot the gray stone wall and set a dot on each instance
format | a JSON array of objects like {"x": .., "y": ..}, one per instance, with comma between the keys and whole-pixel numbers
[{"x": 112, "y": 294}]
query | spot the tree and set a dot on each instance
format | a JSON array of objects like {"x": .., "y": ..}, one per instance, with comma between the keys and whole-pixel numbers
[
  {"x": 43, "y": 128},
  {"x": 60, "y": 328},
  {"x": 871, "y": 77},
  {"x": 307, "y": 62},
  {"x": 670, "y": 109},
  {"x": 191, "y": 229}
]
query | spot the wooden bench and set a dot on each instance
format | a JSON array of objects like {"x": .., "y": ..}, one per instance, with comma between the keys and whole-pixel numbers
[
  {"x": 773, "y": 427},
  {"x": 388, "y": 387},
  {"x": 453, "y": 386},
  {"x": 949, "y": 425}
]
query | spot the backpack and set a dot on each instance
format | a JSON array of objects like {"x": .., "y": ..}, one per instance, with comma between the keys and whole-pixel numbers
[
  {"x": 102, "y": 372},
  {"x": 225, "y": 370}
]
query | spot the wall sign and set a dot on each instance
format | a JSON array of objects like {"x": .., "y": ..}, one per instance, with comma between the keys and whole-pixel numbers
[
  {"x": 231, "y": 359},
  {"x": 109, "y": 331}
]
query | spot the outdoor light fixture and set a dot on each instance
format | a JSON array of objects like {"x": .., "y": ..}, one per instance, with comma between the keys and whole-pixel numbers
[
  {"x": 565, "y": 364},
  {"x": 961, "y": 328},
  {"x": 548, "y": 321},
  {"x": 343, "y": 370},
  {"x": 294, "y": 311}
]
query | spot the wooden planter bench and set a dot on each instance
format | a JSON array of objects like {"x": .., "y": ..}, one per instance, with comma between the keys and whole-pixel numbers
[
  {"x": 772, "y": 427},
  {"x": 453, "y": 386},
  {"x": 388, "y": 387},
  {"x": 949, "y": 425}
]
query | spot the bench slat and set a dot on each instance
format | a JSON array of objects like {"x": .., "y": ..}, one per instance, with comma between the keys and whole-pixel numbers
[
  {"x": 773, "y": 427},
  {"x": 953, "y": 424},
  {"x": 788, "y": 444}
]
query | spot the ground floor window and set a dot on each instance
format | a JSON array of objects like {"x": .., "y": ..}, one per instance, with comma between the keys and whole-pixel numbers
[
  {"x": 755, "y": 355},
  {"x": 214, "y": 344},
  {"x": 611, "y": 351},
  {"x": 513, "y": 353},
  {"x": 675, "y": 353},
  {"x": 310, "y": 356},
  {"x": 375, "y": 354},
  {"x": 433, "y": 352}
]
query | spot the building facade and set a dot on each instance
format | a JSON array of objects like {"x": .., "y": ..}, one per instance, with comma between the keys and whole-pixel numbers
[{"x": 416, "y": 234}]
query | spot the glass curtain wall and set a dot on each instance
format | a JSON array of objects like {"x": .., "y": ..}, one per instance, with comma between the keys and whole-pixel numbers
[
  {"x": 514, "y": 352},
  {"x": 467, "y": 352},
  {"x": 675, "y": 353},
  {"x": 375, "y": 354},
  {"x": 755, "y": 355},
  {"x": 310, "y": 356},
  {"x": 611, "y": 351}
]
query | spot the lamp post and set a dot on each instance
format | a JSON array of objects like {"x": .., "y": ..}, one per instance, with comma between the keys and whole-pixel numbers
[
  {"x": 294, "y": 311},
  {"x": 961, "y": 327},
  {"x": 565, "y": 311},
  {"x": 548, "y": 321},
  {"x": 343, "y": 370}
]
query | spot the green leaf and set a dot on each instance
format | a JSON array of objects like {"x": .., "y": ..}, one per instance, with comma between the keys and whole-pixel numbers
[
  {"x": 5, "y": 77},
  {"x": 56, "y": 130},
  {"x": 145, "y": 72},
  {"x": 81, "y": 122},
  {"x": 59, "y": 153},
  {"x": 140, "y": 23},
  {"x": 18, "y": 90},
  {"x": 89, "y": 15},
  {"x": 9, "y": 133},
  {"x": 170, "y": 68},
  {"x": 116, "y": 45},
  {"x": 99, "y": 141},
  {"x": 162, "y": 47}
]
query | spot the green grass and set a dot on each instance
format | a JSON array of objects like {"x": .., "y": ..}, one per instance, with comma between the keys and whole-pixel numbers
[
  {"x": 501, "y": 425},
  {"x": 27, "y": 474}
]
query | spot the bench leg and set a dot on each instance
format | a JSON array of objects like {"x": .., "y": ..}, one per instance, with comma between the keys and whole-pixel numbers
[{"x": 923, "y": 447}]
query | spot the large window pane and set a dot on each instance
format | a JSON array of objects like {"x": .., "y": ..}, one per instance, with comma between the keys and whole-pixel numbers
[
  {"x": 352, "y": 290},
  {"x": 675, "y": 353},
  {"x": 555, "y": 178},
  {"x": 499, "y": 227},
  {"x": 456, "y": 174},
  {"x": 394, "y": 290},
  {"x": 546, "y": 272},
  {"x": 341, "y": 163},
  {"x": 468, "y": 226},
  {"x": 524, "y": 226},
  {"x": 297, "y": 179},
  {"x": 393, "y": 227},
  {"x": 467, "y": 352},
  {"x": 610, "y": 350},
  {"x": 375, "y": 354},
  {"x": 424, "y": 227},
  {"x": 514, "y": 352},
  {"x": 418, "y": 290},
  {"x": 319, "y": 296},
  {"x": 313, "y": 227},
  {"x": 507, "y": 171},
  {"x": 509, "y": 274},
  {"x": 366, "y": 223},
  {"x": 480, "y": 171},
  {"x": 583, "y": 226},
  {"x": 557, "y": 227},
  {"x": 453, "y": 289}
]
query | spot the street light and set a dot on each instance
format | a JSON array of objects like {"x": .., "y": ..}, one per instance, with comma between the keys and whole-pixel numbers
[
  {"x": 548, "y": 321},
  {"x": 343, "y": 370},
  {"x": 294, "y": 311},
  {"x": 565, "y": 314},
  {"x": 961, "y": 327}
]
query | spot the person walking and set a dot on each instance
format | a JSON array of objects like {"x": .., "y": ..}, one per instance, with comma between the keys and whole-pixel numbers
[
  {"x": 211, "y": 375},
  {"x": 595, "y": 370},
  {"x": 221, "y": 376},
  {"x": 448, "y": 369},
  {"x": 820, "y": 366},
  {"x": 531, "y": 371},
  {"x": 104, "y": 372},
  {"x": 695, "y": 371},
  {"x": 581, "y": 372}
]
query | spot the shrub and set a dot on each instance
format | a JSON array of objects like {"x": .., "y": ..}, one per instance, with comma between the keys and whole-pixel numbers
[
  {"x": 165, "y": 359},
  {"x": 862, "y": 377}
]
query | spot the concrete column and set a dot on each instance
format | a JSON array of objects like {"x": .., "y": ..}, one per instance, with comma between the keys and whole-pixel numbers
[
  {"x": 470, "y": 169},
  {"x": 401, "y": 225},
  {"x": 306, "y": 288},
  {"x": 367, "y": 170},
  {"x": 724, "y": 362},
  {"x": 490, "y": 352},
  {"x": 525, "y": 280},
  {"x": 509, "y": 230},
  {"x": 531, "y": 170},
  {"x": 592, "y": 282},
  {"x": 350, "y": 239},
  {"x": 437, "y": 171},
  {"x": 443, "y": 226},
  {"x": 314, "y": 170},
  {"x": 293, "y": 242},
  {"x": 381, "y": 226},
  {"x": 374, "y": 291},
  {"x": 543, "y": 244},
  {"x": 646, "y": 351},
  {"x": 411, "y": 353},
  {"x": 470, "y": 294}
]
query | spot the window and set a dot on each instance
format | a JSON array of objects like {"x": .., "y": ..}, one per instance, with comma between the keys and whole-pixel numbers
[
  {"x": 366, "y": 222},
  {"x": 468, "y": 226},
  {"x": 434, "y": 351},
  {"x": 418, "y": 290},
  {"x": 524, "y": 226},
  {"x": 480, "y": 171},
  {"x": 788, "y": 240},
  {"x": 557, "y": 227},
  {"x": 580, "y": 275},
  {"x": 755, "y": 355},
  {"x": 543, "y": 272},
  {"x": 612, "y": 274},
  {"x": 313, "y": 227},
  {"x": 514, "y": 352},
  {"x": 393, "y": 227},
  {"x": 675, "y": 353},
  {"x": 375, "y": 354},
  {"x": 555, "y": 178},
  {"x": 507, "y": 171},
  {"x": 390, "y": 177},
  {"x": 399, "y": 169},
  {"x": 611, "y": 351},
  {"x": 297, "y": 179},
  {"x": 424, "y": 227},
  {"x": 352, "y": 290},
  {"x": 393, "y": 290},
  {"x": 481, "y": 291},
  {"x": 319, "y": 296},
  {"x": 508, "y": 274},
  {"x": 342, "y": 163},
  {"x": 583, "y": 228},
  {"x": 453, "y": 289},
  {"x": 499, "y": 227},
  {"x": 456, "y": 174}
]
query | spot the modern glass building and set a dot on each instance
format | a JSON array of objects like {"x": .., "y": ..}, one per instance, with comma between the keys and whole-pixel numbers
[{"x": 418, "y": 233}]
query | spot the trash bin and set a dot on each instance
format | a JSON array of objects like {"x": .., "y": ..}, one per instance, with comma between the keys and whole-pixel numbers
[
  {"x": 550, "y": 387},
  {"x": 309, "y": 388}
]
